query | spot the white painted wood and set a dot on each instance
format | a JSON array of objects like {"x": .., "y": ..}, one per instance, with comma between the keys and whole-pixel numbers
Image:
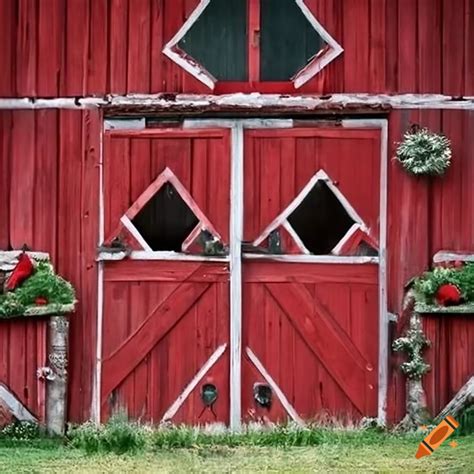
[
  {"x": 319, "y": 62},
  {"x": 352, "y": 230},
  {"x": 321, "y": 175},
  {"x": 452, "y": 256},
  {"x": 323, "y": 259},
  {"x": 9, "y": 258},
  {"x": 134, "y": 231},
  {"x": 236, "y": 236},
  {"x": 19, "y": 411},
  {"x": 241, "y": 102},
  {"x": 274, "y": 386},
  {"x": 254, "y": 124},
  {"x": 145, "y": 255},
  {"x": 173, "y": 409},
  {"x": 125, "y": 124},
  {"x": 173, "y": 51},
  {"x": 296, "y": 238}
]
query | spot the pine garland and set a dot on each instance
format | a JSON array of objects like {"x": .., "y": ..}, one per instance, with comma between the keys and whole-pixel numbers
[
  {"x": 424, "y": 153},
  {"x": 44, "y": 283}
]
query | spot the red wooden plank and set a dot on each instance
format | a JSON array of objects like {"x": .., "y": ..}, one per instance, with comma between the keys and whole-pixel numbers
[
  {"x": 330, "y": 344},
  {"x": 119, "y": 40},
  {"x": 26, "y": 48},
  {"x": 429, "y": 53},
  {"x": 129, "y": 270},
  {"x": 46, "y": 182},
  {"x": 453, "y": 48},
  {"x": 356, "y": 45},
  {"x": 98, "y": 64},
  {"x": 139, "y": 35},
  {"x": 51, "y": 41},
  {"x": 253, "y": 11},
  {"x": 5, "y": 163},
  {"x": 17, "y": 366},
  {"x": 8, "y": 26},
  {"x": 266, "y": 272},
  {"x": 140, "y": 172},
  {"x": 22, "y": 187},
  {"x": 157, "y": 59},
  {"x": 158, "y": 323},
  {"x": 377, "y": 46},
  {"x": 77, "y": 48},
  {"x": 391, "y": 47},
  {"x": 407, "y": 45},
  {"x": 468, "y": 42}
]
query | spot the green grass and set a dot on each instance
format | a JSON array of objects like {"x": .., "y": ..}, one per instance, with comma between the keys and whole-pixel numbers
[{"x": 334, "y": 451}]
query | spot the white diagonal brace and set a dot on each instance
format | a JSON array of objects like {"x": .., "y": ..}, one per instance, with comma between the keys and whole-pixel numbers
[{"x": 19, "y": 411}]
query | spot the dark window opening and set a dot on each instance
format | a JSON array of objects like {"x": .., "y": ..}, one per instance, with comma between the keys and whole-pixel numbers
[
  {"x": 218, "y": 40},
  {"x": 320, "y": 220},
  {"x": 166, "y": 220},
  {"x": 288, "y": 40}
]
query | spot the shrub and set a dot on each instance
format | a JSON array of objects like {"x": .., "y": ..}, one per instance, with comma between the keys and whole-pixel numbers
[{"x": 20, "y": 431}]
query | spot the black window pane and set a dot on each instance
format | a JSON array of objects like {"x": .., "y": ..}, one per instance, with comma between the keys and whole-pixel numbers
[
  {"x": 166, "y": 220},
  {"x": 320, "y": 220},
  {"x": 218, "y": 40},
  {"x": 288, "y": 40}
]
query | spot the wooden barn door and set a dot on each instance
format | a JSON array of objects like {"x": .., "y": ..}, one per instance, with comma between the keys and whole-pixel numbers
[
  {"x": 166, "y": 307},
  {"x": 310, "y": 339}
]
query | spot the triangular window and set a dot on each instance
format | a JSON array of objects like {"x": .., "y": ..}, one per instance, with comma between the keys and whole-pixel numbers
[
  {"x": 166, "y": 218},
  {"x": 319, "y": 221}
]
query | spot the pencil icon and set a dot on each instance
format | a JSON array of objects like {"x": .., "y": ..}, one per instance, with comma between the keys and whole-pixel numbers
[{"x": 437, "y": 437}]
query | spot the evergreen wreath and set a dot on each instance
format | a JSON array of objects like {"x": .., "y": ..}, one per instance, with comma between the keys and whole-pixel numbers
[{"x": 424, "y": 153}]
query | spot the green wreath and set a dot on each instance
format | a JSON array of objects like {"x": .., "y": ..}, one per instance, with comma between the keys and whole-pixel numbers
[{"x": 424, "y": 153}]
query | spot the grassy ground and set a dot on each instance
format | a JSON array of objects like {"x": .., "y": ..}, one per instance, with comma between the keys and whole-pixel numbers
[{"x": 381, "y": 453}]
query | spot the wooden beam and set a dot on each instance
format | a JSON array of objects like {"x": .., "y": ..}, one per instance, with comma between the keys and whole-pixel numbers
[
  {"x": 464, "y": 397},
  {"x": 19, "y": 411}
]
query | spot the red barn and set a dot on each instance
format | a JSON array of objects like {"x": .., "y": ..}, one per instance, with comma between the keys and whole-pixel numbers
[{"x": 216, "y": 180}]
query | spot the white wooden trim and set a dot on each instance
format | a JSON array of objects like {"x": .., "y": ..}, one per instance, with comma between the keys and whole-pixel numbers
[
  {"x": 254, "y": 124},
  {"x": 296, "y": 238},
  {"x": 319, "y": 62},
  {"x": 322, "y": 259},
  {"x": 192, "y": 236},
  {"x": 321, "y": 175},
  {"x": 97, "y": 382},
  {"x": 278, "y": 392},
  {"x": 241, "y": 102},
  {"x": 236, "y": 236},
  {"x": 125, "y": 124},
  {"x": 161, "y": 255},
  {"x": 128, "y": 224},
  {"x": 381, "y": 124},
  {"x": 176, "y": 405},
  {"x": 19, "y": 411},
  {"x": 452, "y": 256},
  {"x": 352, "y": 230},
  {"x": 171, "y": 49}
]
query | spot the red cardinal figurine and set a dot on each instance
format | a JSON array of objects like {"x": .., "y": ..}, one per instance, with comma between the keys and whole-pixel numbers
[
  {"x": 20, "y": 273},
  {"x": 448, "y": 295}
]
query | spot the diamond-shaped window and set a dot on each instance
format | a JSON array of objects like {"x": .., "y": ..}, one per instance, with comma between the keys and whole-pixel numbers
[
  {"x": 319, "y": 221},
  {"x": 226, "y": 40},
  {"x": 166, "y": 218}
]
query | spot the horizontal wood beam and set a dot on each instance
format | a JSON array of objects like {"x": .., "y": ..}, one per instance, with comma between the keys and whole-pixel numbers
[{"x": 255, "y": 103}]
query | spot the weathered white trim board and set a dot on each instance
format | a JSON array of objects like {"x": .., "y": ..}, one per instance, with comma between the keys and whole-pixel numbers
[
  {"x": 173, "y": 409},
  {"x": 242, "y": 102},
  {"x": 19, "y": 411},
  {"x": 278, "y": 392},
  {"x": 144, "y": 255},
  {"x": 323, "y": 259},
  {"x": 452, "y": 256}
]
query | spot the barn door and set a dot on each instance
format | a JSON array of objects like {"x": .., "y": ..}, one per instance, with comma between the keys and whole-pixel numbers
[
  {"x": 165, "y": 283},
  {"x": 310, "y": 273}
]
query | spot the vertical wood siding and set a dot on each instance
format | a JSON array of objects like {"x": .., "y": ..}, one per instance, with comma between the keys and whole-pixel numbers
[
  {"x": 49, "y": 178},
  {"x": 86, "y": 47}
]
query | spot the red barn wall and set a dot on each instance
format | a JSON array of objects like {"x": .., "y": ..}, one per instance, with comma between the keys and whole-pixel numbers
[
  {"x": 49, "y": 180},
  {"x": 92, "y": 47}
]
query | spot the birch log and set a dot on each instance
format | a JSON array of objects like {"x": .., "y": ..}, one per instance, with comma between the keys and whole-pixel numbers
[
  {"x": 56, "y": 397},
  {"x": 463, "y": 398}
]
